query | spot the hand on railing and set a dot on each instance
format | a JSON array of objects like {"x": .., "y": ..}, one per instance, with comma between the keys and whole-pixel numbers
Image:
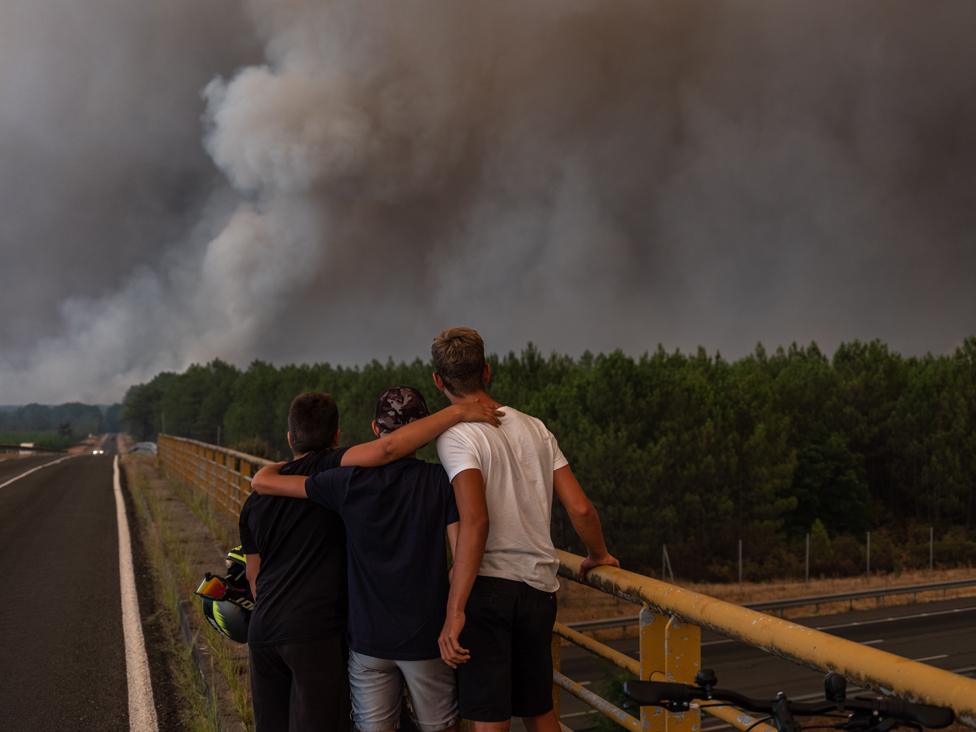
[{"x": 607, "y": 560}]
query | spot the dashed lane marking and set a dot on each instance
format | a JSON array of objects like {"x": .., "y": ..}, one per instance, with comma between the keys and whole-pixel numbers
[{"x": 34, "y": 470}]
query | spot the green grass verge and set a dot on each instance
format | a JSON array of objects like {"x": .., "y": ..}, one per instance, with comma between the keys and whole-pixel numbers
[
  {"x": 229, "y": 666},
  {"x": 171, "y": 571}
]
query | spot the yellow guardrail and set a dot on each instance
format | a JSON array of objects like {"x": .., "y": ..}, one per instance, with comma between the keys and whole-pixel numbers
[
  {"x": 670, "y": 646},
  {"x": 671, "y": 619},
  {"x": 221, "y": 473}
]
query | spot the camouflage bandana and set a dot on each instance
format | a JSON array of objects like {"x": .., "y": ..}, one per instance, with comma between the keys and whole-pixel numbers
[{"x": 399, "y": 405}]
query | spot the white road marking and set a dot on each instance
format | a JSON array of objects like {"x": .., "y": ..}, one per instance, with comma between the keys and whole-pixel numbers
[
  {"x": 872, "y": 642},
  {"x": 142, "y": 709},
  {"x": 864, "y": 623},
  {"x": 34, "y": 470},
  {"x": 578, "y": 714},
  {"x": 931, "y": 658}
]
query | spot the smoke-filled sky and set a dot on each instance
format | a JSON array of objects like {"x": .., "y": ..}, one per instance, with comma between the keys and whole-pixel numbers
[{"x": 337, "y": 181}]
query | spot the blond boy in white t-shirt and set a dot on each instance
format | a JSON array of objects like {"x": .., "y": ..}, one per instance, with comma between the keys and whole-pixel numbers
[{"x": 502, "y": 603}]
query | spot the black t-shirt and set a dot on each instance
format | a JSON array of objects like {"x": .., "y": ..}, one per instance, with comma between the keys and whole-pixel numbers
[
  {"x": 302, "y": 583},
  {"x": 395, "y": 519}
]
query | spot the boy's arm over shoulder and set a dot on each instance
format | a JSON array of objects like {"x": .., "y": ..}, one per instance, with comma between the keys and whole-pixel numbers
[
  {"x": 328, "y": 489},
  {"x": 269, "y": 481},
  {"x": 413, "y": 436},
  {"x": 584, "y": 517}
]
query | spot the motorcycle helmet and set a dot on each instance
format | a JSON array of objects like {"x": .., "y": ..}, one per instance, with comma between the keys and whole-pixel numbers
[{"x": 227, "y": 600}]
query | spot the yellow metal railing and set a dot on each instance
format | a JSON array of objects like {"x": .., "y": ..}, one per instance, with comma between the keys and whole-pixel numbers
[
  {"x": 670, "y": 621},
  {"x": 670, "y": 647},
  {"x": 221, "y": 473}
]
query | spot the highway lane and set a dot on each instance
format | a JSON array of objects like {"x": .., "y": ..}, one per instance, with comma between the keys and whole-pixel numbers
[
  {"x": 937, "y": 633},
  {"x": 62, "y": 663}
]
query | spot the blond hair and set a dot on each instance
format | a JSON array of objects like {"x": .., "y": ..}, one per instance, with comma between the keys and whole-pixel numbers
[{"x": 459, "y": 359}]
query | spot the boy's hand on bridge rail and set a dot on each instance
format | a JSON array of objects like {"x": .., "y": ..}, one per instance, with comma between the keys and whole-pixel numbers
[
  {"x": 451, "y": 651},
  {"x": 607, "y": 560}
]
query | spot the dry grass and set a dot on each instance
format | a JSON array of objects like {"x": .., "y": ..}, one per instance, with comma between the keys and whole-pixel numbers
[{"x": 189, "y": 549}]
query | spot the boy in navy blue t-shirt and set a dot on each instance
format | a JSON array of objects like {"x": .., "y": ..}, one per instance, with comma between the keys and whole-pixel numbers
[{"x": 395, "y": 518}]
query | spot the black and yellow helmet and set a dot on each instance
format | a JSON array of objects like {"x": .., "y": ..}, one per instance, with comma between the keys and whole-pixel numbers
[{"x": 227, "y": 600}]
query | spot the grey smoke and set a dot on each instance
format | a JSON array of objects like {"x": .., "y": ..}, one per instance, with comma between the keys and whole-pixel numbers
[{"x": 577, "y": 174}]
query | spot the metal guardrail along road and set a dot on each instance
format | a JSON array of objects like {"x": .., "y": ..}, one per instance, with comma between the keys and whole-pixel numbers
[
  {"x": 670, "y": 622},
  {"x": 814, "y": 600}
]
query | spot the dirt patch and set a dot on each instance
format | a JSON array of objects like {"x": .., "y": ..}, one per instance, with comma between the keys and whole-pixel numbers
[{"x": 203, "y": 670}]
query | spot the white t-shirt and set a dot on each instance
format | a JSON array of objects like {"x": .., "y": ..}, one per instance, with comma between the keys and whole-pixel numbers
[{"x": 517, "y": 461}]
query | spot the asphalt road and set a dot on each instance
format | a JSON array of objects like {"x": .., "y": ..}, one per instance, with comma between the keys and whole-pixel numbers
[
  {"x": 937, "y": 633},
  {"x": 62, "y": 661}
]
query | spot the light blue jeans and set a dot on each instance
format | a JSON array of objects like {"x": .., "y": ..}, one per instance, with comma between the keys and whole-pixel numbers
[{"x": 376, "y": 686}]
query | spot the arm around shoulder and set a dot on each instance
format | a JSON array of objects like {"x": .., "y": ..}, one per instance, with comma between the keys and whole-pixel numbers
[
  {"x": 269, "y": 481},
  {"x": 411, "y": 437}
]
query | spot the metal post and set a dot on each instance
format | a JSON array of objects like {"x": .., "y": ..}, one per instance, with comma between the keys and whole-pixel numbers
[
  {"x": 740, "y": 561},
  {"x": 931, "y": 548},
  {"x": 218, "y": 434},
  {"x": 806, "y": 573},
  {"x": 682, "y": 647},
  {"x": 652, "y": 664},
  {"x": 666, "y": 570},
  {"x": 868, "y": 554}
]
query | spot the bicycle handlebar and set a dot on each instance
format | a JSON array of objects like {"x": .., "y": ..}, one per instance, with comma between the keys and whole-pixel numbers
[{"x": 678, "y": 696}]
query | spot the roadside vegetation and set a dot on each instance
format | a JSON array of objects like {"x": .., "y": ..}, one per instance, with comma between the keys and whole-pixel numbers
[
  {"x": 689, "y": 450},
  {"x": 56, "y": 427},
  {"x": 50, "y": 440},
  {"x": 178, "y": 530}
]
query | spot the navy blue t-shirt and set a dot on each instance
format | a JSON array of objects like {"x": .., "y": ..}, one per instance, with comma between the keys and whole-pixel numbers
[
  {"x": 395, "y": 518},
  {"x": 302, "y": 582}
]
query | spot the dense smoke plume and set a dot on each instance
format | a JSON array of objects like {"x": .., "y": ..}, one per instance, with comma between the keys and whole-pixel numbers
[{"x": 578, "y": 174}]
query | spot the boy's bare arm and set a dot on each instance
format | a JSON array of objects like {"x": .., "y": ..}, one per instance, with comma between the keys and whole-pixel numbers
[
  {"x": 411, "y": 437},
  {"x": 269, "y": 481},
  {"x": 469, "y": 493},
  {"x": 585, "y": 519},
  {"x": 452, "y": 537}
]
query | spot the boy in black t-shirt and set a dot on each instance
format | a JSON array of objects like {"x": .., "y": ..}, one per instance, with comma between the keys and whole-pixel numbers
[
  {"x": 395, "y": 518},
  {"x": 296, "y": 566}
]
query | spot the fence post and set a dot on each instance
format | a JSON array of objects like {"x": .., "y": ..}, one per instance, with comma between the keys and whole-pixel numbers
[
  {"x": 652, "y": 664},
  {"x": 868, "y": 555},
  {"x": 740, "y": 561},
  {"x": 931, "y": 548},
  {"x": 666, "y": 569},
  {"x": 806, "y": 573},
  {"x": 683, "y": 660}
]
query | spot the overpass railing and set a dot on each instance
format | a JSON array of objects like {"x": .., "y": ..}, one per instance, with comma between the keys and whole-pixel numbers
[{"x": 670, "y": 622}]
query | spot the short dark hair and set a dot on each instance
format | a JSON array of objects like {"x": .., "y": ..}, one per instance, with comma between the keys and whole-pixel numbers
[
  {"x": 459, "y": 359},
  {"x": 313, "y": 420}
]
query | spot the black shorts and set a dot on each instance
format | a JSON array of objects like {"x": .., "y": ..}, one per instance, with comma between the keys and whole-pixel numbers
[
  {"x": 508, "y": 629},
  {"x": 300, "y": 686}
]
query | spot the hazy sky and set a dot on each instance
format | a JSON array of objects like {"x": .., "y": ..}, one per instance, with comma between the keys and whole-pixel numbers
[{"x": 297, "y": 181}]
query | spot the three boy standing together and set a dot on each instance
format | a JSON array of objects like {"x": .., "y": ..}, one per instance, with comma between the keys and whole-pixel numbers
[{"x": 494, "y": 502}]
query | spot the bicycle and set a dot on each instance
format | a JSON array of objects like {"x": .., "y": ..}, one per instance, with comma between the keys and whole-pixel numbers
[{"x": 862, "y": 713}]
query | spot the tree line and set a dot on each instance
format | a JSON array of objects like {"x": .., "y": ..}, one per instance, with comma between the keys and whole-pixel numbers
[
  {"x": 689, "y": 450},
  {"x": 56, "y": 425}
]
